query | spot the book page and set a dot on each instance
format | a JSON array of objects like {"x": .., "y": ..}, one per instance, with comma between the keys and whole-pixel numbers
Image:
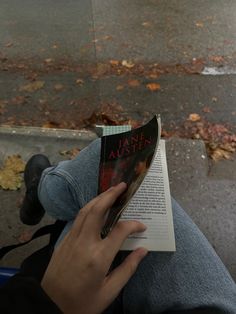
[{"x": 151, "y": 205}]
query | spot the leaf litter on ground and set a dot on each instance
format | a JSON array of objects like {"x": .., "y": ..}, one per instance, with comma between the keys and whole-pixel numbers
[{"x": 10, "y": 173}]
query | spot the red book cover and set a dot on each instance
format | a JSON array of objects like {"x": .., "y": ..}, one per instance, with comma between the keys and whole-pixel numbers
[{"x": 126, "y": 157}]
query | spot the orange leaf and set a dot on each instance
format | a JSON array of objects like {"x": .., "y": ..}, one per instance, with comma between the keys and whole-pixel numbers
[
  {"x": 134, "y": 83},
  {"x": 153, "y": 86},
  {"x": 114, "y": 62},
  {"x": 194, "y": 117}
]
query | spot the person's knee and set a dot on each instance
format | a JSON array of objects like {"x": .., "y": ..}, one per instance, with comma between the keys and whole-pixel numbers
[{"x": 57, "y": 197}]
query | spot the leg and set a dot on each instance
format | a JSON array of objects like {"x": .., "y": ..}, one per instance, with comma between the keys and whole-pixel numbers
[
  {"x": 192, "y": 277},
  {"x": 66, "y": 188}
]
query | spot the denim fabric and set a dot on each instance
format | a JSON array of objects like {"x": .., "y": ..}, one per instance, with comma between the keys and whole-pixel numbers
[{"x": 192, "y": 277}]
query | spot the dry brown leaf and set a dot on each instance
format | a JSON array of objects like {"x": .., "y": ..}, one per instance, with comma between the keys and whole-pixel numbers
[
  {"x": 9, "y": 180},
  {"x": 199, "y": 24},
  {"x": 50, "y": 125},
  {"x": 128, "y": 64},
  {"x": 119, "y": 87},
  {"x": 14, "y": 163},
  {"x": 114, "y": 62},
  {"x": 107, "y": 37},
  {"x": 32, "y": 87},
  {"x": 153, "y": 76},
  {"x": 133, "y": 83},
  {"x": 194, "y": 117},
  {"x": 48, "y": 60},
  {"x": 146, "y": 24},
  {"x": 8, "y": 45},
  {"x": 153, "y": 86},
  {"x": 206, "y": 109},
  {"x": 58, "y": 87},
  {"x": 79, "y": 81},
  {"x": 219, "y": 153}
]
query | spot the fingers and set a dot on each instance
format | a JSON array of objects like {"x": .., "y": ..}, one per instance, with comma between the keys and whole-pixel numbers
[
  {"x": 117, "y": 279},
  {"x": 91, "y": 225},
  {"x": 120, "y": 232}
]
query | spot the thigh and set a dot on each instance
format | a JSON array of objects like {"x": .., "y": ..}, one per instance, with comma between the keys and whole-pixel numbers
[{"x": 192, "y": 277}]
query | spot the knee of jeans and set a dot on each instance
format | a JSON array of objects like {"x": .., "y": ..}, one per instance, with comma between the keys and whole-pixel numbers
[{"x": 57, "y": 197}]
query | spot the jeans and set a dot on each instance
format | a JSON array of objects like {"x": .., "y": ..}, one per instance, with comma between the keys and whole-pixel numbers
[{"x": 193, "y": 277}]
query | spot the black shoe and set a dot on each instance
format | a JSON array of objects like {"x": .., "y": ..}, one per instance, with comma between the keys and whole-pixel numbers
[{"x": 31, "y": 211}]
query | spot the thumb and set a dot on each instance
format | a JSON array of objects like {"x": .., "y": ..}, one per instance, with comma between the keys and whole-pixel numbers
[{"x": 118, "y": 278}]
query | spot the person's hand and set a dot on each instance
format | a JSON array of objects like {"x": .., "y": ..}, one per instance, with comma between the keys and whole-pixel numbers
[{"x": 77, "y": 278}]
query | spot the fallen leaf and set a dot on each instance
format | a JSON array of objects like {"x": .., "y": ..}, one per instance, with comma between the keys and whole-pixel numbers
[
  {"x": 133, "y": 83},
  {"x": 32, "y": 87},
  {"x": 153, "y": 76},
  {"x": 9, "y": 180},
  {"x": 58, "y": 87},
  {"x": 48, "y": 60},
  {"x": 107, "y": 37},
  {"x": 194, "y": 117},
  {"x": 8, "y": 45},
  {"x": 14, "y": 163},
  {"x": 127, "y": 64},
  {"x": 114, "y": 62},
  {"x": 146, "y": 24},
  {"x": 199, "y": 24},
  {"x": 50, "y": 125},
  {"x": 206, "y": 109},
  {"x": 153, "y": 86},
  {"x": 119, "y": 87},
  {"x": 214, "y": 99},
  {"x": 219, "y": 153},
  {"x": 79, "y": 81}
]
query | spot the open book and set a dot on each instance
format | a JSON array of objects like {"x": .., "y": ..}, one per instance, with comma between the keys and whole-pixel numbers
[{"x": 138, "y": 158}]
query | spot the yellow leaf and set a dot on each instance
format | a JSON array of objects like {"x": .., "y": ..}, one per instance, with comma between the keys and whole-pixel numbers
[
  {"x": 199, "y": 24},
  {"x": 194, "y": 117},
  {"x": 79, "y": 81},
  {"x": 127, "y": 64},
  {"x": 218, "y": 154},
  {"x": 9, "y": 180},
  {"x": 153, "y": 86},
  {"x": 32, "y": 87},
  {"x": 14, "y": 163}
]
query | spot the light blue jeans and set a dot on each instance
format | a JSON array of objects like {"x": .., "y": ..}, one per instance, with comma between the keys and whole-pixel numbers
[{"x": 191, "y": 278}]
